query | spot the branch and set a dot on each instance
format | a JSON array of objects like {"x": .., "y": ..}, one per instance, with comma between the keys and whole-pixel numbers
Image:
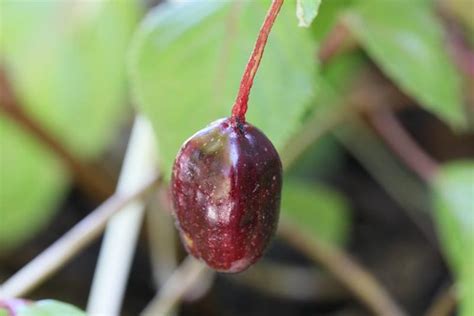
[
  {"x": 71, "y": 243},
  {"x": 444, "y": 303},
  {"x": 402, "y": 144},
  {"x": 349, "y": 273},
  {"x": 463, "y": 55},
  {"x": 188, "y": 275},
  {"x": 374, "y": 156},
  {"x": 311, "y": 131},
  {"x": 162, "y": 237},
  {"x": 453, "y": 14},
  {"x": 121, "y": 235},
  {"x": 338, "y": 41},
  {"x": 289, "y": 281},
  {"x": 91, "y": 180}
]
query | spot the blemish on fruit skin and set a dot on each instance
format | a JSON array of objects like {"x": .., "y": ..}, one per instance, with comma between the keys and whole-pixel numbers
[
  {"x": 187, "y": 241},
  {"x": 228, "y": 205}
]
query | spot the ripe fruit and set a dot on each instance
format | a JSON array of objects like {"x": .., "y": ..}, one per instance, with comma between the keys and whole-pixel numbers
[
  {"x": 226, "y": 182},
  {"x": 226, "y": 187}
]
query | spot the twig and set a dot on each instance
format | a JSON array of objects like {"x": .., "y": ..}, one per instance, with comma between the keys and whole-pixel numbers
[
  {"x": 162, "y": 240},
  {"x": 359, "y": 281},
  {"x": 162, "y": 237},
  {"x": 300, "y": 283},
  {"x": 452, "y": 14},
  {"x": 402, "y": 144},
  {"x": 184, "y": 278},
  {"x": 463, "y": 55},
  {"x": 121, "y": 234},
  {"x": 357, "y": 101},
  {"x": 362, "y": 143},
  {"x": 91, "y": 180},
  {"x": 338, "y": 41},
  {"x": 444, "y": 303},
  {"x": 311, "y": 131},
  {"x": 71, "y": 243}
]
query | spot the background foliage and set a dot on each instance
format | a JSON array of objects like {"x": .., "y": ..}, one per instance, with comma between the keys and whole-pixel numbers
[{"x": 80, "y": 69}]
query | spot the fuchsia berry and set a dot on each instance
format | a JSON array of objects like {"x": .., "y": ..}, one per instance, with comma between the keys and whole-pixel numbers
[
  {"x": 226, "y": 182},
  {"x": 226, "y": 187}
]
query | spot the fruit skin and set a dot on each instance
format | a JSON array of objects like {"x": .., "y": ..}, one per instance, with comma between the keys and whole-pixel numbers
[{"x": 226, "y": 188}]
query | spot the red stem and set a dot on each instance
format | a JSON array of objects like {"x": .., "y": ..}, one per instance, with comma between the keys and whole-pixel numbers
[
  {"x": 241, "y": 103},
  {"x": 402, "y": 144}
]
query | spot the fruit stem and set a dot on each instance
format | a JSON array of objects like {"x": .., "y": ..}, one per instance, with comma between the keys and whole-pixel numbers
[{"x": 240, "y": 106}]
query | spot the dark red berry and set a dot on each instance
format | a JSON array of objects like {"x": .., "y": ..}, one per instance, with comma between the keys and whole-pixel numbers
[{"x": 226, "y": 188}]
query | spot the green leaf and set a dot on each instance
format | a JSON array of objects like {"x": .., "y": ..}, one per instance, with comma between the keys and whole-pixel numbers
[
  {"x": 328, "y": 15},
  {"x": 306, "y": 11},
  {"x": 454, "y": 214},
  {"x": 335, "y": 82},
  {"x": 31, "y": 180},
  {"x": 66, "y": 60},
  {"x": 322, "y": 158},
  {"x": 188, "y": 58},
  {"x": 317, "y": 209},
  {"x": 50, "y": 308},
  {"x": 326, "y": 111},
  {"x": 406, "y": 40}
]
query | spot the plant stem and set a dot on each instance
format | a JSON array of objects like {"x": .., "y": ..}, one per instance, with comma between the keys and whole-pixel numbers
[
  {"x": 241, "y": 103},
  {"x": 444, "y": 303},
  {"x": 162, "y": 237},
  {"x": 312, "y": 130},
  {"x": 71, "y": 243},
  {"x": 374, "y": 156},
  {"x": 338, "y": 41},
  {"x": 90, "y": 180},
  {"x": 188, "y": 275},
  {"x": 345, "y": 269},
  {"x": 120, "y": 238},
  {"x": 387, "y": 126},
  {"x": 290, "y": 282}
]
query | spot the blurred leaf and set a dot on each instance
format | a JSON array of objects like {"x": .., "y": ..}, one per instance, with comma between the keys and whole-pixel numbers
[
  {"x": 50, "y": 308},
  {"x": 187, "y": 63},
  {"x": 322, "y": 154},
  {"x": 328, "y": 15},
  {"x": 454, "y": 214},
  {"x": 318, "y": 209},
  {"x": 67, "y": 63},
  {"x": 31, "y": 179},
  {"x": 336, "y": 80},
  {"x": 306, "y": 11},
  {"x": 341, "y": 72},
  {"x": 320, "y": 159},
  {"x": 3, "y": 312},
  {"x": 67, "y": 60},
  {"x": 326, "y": 111},
  {"x": 406, "y": 40}
]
